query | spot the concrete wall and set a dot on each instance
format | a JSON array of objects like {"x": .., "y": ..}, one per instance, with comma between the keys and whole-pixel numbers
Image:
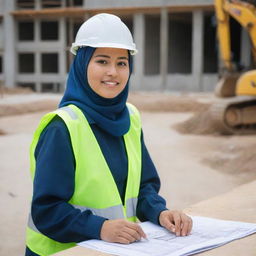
[
  {"x": 1, "y": 7},
  {"x": 9, "y": 56},
  {"x": 179, "y": 83},
  {"x": 245, "y": 49},
  {"x": 1, "y": 50},
  {"x": 1, "y": 36}
]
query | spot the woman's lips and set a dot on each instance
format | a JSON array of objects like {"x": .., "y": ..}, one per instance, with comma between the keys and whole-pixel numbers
[{"x": 110, "y": 83}]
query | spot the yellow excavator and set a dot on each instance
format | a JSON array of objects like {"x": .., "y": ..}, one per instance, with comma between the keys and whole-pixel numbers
[{"x": 237, "y": 113}]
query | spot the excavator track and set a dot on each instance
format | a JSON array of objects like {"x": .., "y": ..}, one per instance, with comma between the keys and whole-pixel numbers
[{"x": 235, "y": 115}]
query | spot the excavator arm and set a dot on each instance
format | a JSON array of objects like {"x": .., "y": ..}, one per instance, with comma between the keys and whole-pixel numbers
[
  {"x": 237, "y": 114},
  {"x": 245, "y": 14},
  {"x": 223, "y": 33}
]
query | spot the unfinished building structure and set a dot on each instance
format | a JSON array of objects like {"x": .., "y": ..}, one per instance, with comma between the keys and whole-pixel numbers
[{"x": 175, "y": 38}]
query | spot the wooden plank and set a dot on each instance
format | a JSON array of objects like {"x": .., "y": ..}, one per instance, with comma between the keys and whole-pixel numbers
[{"x": 77, "y": 11}]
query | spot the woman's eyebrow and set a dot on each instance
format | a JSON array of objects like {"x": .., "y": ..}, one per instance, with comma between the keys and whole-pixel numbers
[
  {"x": 123, "y": 58},
  {"x": 106, "y": 56}
]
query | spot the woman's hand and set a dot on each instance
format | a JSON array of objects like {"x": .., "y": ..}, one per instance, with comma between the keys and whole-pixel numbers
[
  {"x": 121, "y": 231},
  {"x": 176, "y": 222}
]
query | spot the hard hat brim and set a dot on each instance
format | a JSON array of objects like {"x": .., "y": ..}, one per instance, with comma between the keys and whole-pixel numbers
[{"x": 76, "y": 46}]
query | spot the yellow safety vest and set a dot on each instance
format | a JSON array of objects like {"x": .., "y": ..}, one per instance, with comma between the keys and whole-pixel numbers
[{"x": 95, "y": 188}]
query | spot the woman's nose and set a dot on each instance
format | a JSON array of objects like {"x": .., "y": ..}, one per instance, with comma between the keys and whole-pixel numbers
[{"x": 112, "y": 71}]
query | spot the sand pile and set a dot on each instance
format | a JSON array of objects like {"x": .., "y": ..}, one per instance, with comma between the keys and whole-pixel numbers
[
  {"x": 23, "y": 108},
  {"x": 161, "y": 102},
  {"x": 200, "y": 123},
  {"x": 16, "y": 90},
  {"x": 234, "y": 160},
  {"x": 144, "y": 101},
  {"x": 22, "y": 100}
]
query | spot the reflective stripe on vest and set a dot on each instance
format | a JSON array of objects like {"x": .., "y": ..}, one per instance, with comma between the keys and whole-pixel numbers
[
  {"x": 95, "y": 188},
  {"x": 72, "y": 114},
  {"x": 114, "y": 212}
]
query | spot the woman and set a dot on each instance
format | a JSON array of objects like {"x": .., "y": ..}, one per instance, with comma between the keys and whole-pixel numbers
[{"x": 92, "y": 174}]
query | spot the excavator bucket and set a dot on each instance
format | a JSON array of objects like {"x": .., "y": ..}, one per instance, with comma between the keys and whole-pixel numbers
[{"x": 226, "y": 87}]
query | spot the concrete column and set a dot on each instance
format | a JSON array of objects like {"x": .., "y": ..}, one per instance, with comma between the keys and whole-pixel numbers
[
  {"x": 38, "y": 5},
  {"x": 63, "y": 4},
  {"x": 164, "y": 47},
  {"x": 62, "y": 52},
  {"x": 70, "y": 37},
  {"x": 9, "y": 58},
  {"x": 139, "y": 38},
  {"x": 197, "y": 50},
  {"x": 245, "y": 49},
  {"x": 37, "y": 31}
]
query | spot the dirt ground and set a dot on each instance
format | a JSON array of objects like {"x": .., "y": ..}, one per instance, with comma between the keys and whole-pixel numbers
[{"x": 192, "y": 167}]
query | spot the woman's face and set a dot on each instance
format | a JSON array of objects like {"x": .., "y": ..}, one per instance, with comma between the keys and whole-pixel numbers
[{"x": 108, "y": 71}]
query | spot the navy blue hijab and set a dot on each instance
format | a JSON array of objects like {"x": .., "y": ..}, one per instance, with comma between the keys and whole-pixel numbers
[{"x": 111, "y": 115}]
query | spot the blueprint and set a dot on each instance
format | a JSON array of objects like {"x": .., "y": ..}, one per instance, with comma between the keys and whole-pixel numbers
[{"x": 207, "y": 233}]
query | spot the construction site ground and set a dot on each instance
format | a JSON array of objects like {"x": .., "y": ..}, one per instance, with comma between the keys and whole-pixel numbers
[{"x": 195, "y": 162}]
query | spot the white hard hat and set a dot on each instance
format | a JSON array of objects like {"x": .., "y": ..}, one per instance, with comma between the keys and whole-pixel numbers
[{"x": 104, "y": 30}]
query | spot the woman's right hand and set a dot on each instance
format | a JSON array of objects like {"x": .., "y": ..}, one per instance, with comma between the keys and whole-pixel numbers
[{"x": 121, "y": 231}]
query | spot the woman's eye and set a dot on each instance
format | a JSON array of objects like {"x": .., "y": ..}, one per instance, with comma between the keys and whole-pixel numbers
[
  {"x": 101, "y": 61},
  {"x": 122, "y": 63}
]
